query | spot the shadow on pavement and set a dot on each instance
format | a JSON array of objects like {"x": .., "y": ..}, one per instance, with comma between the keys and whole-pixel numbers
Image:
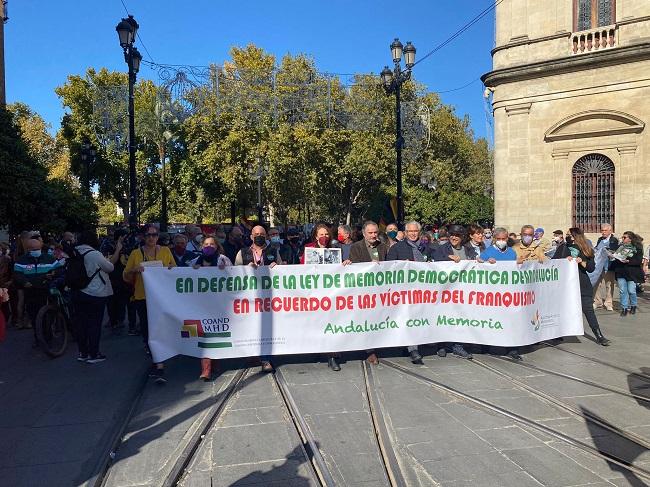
[
  {"x": 287, "y": 471},
  {"x": 616, "y": 445},
  {"x": 640, "y": 386},
  {"x": 149, "y": 427}
]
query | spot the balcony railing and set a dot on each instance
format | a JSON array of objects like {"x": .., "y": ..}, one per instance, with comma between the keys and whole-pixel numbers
[{"x": 593, "y": 40}]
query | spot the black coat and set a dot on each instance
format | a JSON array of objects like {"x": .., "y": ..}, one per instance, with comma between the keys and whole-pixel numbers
[
  {"x": 403, "y": 251},
  {"x": 562, "y": 252},
  {"x": 442, "y": 252},
  {"x": 613, "y": 243},
  {"x": 630, "y": 270}
]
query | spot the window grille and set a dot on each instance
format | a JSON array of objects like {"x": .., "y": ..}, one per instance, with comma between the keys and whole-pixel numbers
[{"x": 593, "y": 192}]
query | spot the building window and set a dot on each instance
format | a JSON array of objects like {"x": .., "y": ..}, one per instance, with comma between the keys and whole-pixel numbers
[
  {"x": 589, "y": 14},
  {"x": 593, "y": 192}
]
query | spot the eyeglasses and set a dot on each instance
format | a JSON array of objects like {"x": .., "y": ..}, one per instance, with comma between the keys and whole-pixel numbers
[{"x": 151, "y": 234}]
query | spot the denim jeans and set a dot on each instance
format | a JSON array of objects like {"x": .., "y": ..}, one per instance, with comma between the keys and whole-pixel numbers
[{"x": 628, "y": 292}]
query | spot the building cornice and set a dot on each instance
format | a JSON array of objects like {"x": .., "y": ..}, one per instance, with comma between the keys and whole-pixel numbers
[
  {"x": 525, "y": 40},
  {"x": 568, "y": 64}
]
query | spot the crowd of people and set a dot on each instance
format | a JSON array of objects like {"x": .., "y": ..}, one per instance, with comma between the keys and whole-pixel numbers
[{"x": 106, "y": 277}]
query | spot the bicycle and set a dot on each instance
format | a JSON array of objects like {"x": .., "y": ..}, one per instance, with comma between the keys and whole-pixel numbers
[{"x": 53, "y": 323}]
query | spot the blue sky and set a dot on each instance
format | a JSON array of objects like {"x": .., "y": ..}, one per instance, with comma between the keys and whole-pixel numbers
[{"x": 46, "y": 40}]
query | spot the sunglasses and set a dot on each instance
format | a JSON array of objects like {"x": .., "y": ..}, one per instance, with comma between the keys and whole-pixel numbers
[{"x": 151, "y": 234}]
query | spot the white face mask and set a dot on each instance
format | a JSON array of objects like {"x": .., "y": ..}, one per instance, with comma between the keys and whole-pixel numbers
[
  {"x": 502, "y": 244},
  {"x": 198, "y": 238}
]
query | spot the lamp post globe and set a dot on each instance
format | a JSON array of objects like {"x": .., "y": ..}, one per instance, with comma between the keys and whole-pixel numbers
[
  {"x": 124, "y": 33},
  {"x": 409, "y": 55},
  {"x": 136, "y": 57},
  {"x": 396, "y": 50},
  {"x": 387, "y": 77}
]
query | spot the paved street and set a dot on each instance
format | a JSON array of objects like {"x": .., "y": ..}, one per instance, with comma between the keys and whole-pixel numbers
[{"x": 59, "y": 417}]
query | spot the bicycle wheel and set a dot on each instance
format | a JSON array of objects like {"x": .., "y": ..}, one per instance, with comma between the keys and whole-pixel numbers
[{"x": 51, "y": 330}]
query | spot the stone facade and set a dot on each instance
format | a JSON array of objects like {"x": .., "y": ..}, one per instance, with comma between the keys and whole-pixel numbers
[{"x": 559, "y": 95}]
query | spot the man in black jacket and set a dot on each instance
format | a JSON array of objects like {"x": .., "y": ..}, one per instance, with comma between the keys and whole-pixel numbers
[
  {"x": 455, "y": 250},
  {"x": 604, "y": 288},
  {"x": 409, "y": 249}
]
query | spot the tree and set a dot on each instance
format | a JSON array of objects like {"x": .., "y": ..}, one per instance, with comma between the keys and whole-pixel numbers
[{"x": 28, "y": 199}]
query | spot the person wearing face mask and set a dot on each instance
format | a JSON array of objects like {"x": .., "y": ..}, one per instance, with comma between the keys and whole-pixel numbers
[
  {"x": 392, "y": 233},
  {"x": 321, "y": 238},
  {"x": 487, "y": 237},
  {"x": 345, "y": 240},
  {"x": 33, "y": 272},
  {"x": 257, "y": 255},
  {"x": 578, "y": 250},
  {"x": 293, "y": 243},
  {"x": 211, "y": 256},
  {"x": 181, "y": 255},
  {"x": 539, "y": 240},
  {"x": 499, "y": 251},
  {"x": 525, "y": 249},
  {"x": 276, "y": 242}
]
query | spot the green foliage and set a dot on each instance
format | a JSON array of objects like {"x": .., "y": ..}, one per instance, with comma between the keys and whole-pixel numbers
[
  {"x": 28, "y": 199},
  {"x": 327, "y": 150}
]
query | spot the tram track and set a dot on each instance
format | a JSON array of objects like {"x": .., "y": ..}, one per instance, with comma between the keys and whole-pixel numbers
[
  {"x": 580, "y": 380},
  {"x": 553, "y": 400},
  {"x": 484, "y": 404},
  {"x": 629, "y": 372},
  {"x": 389, "y": 456}
]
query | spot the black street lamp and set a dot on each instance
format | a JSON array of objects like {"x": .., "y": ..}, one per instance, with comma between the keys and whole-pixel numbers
[
  {"x": 258, "y": 174},
  {"x": 87, "y": 158},
  {"x": 393, "y": 81},
  {"x": 127, "y": 31}
]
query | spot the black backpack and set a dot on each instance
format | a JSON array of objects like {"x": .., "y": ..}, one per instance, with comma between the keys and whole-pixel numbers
[{"x": 76, "y": 277}]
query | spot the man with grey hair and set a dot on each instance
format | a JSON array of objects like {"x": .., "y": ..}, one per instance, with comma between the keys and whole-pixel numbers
[
  {"x": 604, "y": 288},
  {"x": 409, "y": 249}
]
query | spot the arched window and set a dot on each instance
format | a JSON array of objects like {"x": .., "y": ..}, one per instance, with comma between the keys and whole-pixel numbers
[
  {"x": 593, "y": 192},
  {"x": 589, "y": 14}
]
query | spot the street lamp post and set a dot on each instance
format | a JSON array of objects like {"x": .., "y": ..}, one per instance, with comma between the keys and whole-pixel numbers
[
  {"x": 87, "y": 158},
  {"x": 127, "y": 31},
  {"x": 259, "y": 173},
  {"x": 393, "y": 81}
]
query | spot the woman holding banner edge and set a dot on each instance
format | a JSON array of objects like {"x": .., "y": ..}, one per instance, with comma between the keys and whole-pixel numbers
[
  {"x": 578, "y": 250},
  {"x": 212, "y": 255}
]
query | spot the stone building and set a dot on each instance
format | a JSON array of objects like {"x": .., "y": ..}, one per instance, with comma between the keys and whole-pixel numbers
[{"x": 571, "y": 99}]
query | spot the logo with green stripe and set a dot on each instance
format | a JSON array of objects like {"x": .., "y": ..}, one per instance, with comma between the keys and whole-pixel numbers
[{"x": 210, "y": 332}]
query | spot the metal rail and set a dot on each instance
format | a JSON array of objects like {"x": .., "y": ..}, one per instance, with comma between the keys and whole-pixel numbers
[
  {"x": 310, "y": 447},
  {"x": 576, "y": 379},
  {"x": 638, "y": 375},
  {"x": 642, "y": 442},
  {"x": 183, "y": 460},
  {"x": 521, "y": 419},
  {"x": 391, "y": 463}
]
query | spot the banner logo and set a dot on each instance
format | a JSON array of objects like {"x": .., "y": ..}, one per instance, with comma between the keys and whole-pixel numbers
[
  {"x": 208, "y": 328},
  {"x": 536, "y": 321}
]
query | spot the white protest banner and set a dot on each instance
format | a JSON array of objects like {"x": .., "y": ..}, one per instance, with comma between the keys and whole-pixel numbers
[{"x": 242, "y": 311}]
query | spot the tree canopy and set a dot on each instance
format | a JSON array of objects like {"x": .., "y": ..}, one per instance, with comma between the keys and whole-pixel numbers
[{"x": 325, "y": 145}]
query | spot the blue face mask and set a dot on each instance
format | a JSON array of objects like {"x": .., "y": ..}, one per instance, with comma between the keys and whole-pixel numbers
[
  {"x": 35, "y": 253},
  {"x": 275, "y": 239}
]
